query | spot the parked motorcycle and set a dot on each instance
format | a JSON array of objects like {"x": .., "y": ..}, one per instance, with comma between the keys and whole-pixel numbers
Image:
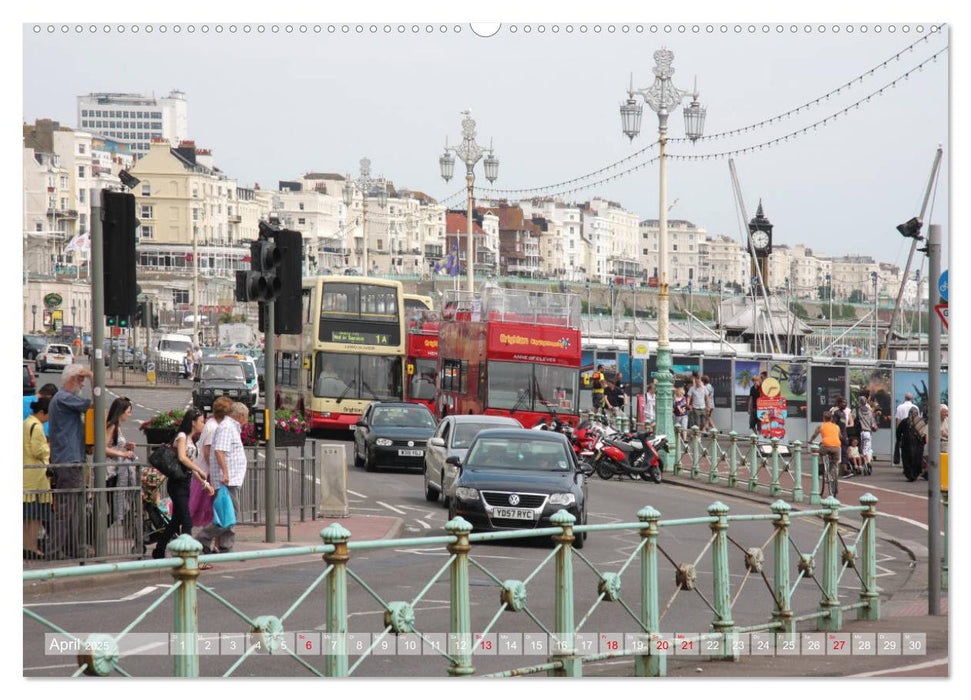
[{"x": 630, "y": 454}]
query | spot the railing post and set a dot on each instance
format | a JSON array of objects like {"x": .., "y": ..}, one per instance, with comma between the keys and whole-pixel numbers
[
  {"x": 732, "y": 459},
  {"x": 335, "y": 659},
  {"x": 713, "y": 457},
  {"x": 722, "y": 599},
  {"x": 460, "y": 625},
  {"x": 782, "y": 612},
  {"x": 814, "y": 496},
  {"x": 563, "y": 626},
  {"x": 868, "y": 561},
  {"x": 774, "y": 488},
  {"x": 678, "y": 449},
  {"x": 186, "y": 608},
  {"x": 830, "y": 601},
  {"x": 753, "y": 462},
  {"x": 797, "y": 493},
  {"x": 649, "y": 664},
  {"x": 695, "y": 451}
]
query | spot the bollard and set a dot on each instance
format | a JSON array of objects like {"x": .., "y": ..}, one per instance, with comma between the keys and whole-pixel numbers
[
  {"x": 774, "y": 488},
  {"x": 678, "y": 449},
  {"x": 814, "y": 496},
  {"x": 186, "y": 608},
  {"x": 830, "y": 602},
  {"x": 797, "y": 494},
  {"x": 782, "y": 611},
  {"x": 563, "y": 626},
  {"x": 753, "y": 462},
  {"x": 722, "y": 599},
  {"x": 868, "y": 561},
  {"x": 733, "y": 459},
  {"x": 460, "y": 627},
  {"x": 649, "y": 664},
  {"x": 695, "y": 451},
  {"x": 335, "y": 659}
]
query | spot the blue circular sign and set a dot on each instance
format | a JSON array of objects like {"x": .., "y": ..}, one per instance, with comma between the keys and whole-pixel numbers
[{"x": 942, "y": 286}]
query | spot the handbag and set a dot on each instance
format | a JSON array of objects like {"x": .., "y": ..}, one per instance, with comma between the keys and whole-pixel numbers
[
  {"x": 223, "y": 513},
  {"x": 896, "y": 452},
  {"x": 166, "y": 460}
]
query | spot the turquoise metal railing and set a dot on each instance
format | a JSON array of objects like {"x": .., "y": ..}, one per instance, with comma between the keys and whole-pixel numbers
[
  {"x": 735, "y": 460},
  {"x": 791, "y": 578}
]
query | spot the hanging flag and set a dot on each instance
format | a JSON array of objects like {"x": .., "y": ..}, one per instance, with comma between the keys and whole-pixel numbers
[
  {"x": 80, "y": 243},
  {"x": 453, "y": 260}
]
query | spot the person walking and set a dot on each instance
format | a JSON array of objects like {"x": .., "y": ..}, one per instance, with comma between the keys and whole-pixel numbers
[
  {"x": 188, "y": 364},
  {"x": 754, "y": 393},
  {"x": 200, "y": 502},
  {"x": 181, "y": 521},
  {"x": 903, "y": 410},
  {"x": 37, "y": 506},
  {"x": 910, "y": 444},
  {"x": 66, "y": 411},
  {"x": 615, "y": 400},
  {"x": 866, "y": 424},
  {"x": 650, "y": 405},
  {"x": 227, "y": 445},
  {"x": 119, "y": 453},
  {"x": 598, "y": 382},
  {"x": 945, "y": 428},
  {"x": 698, "y": 402},
  {"x": 841, "y": 418},
  {"x": 710, "y": 390},
  {"x": 681, "y": 411}
]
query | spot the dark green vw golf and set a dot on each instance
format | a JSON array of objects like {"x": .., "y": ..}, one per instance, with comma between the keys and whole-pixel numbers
[{"x": 517, "y": 479}]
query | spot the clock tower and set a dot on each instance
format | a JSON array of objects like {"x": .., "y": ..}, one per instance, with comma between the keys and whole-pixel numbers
[{"x": 760, "y": 235}]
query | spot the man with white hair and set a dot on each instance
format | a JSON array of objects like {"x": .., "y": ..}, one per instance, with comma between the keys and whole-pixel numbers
[
  {"x": 903, "y": 410},
  {"x": 228, "y": 473},
  {"x": 67, "y": 447}
]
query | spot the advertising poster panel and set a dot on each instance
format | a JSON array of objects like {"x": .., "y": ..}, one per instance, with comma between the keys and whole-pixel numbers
[
  {"x": 793, "y": 378},
  {"x": 879, "y": 383},
  {"x": 915, "y": 382},
  {"x": 681, "y": 367},
  {"x": 720, "y": 373},
  {"x": 828, "y": 383},
  {"x": 745, "y": 373}
]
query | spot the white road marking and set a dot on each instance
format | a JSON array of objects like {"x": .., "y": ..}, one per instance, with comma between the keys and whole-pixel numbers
[
  {"x": 423, "y": 524},
  {"x": 382, "y": 503},
  {"x": 921, "y": 525},
  {"x": 902, "y": 669},
  {"x": 133, "y": 596},
  {"x": 355, "y": 493}
]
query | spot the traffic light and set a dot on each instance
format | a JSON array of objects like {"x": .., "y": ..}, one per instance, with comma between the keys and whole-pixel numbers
[
  {"x": 118, "y": 225},
  {"x": 111, "y": 321},
  {"x": 262, "y": 282},
  {"x": 288, "y": 306},
  {"x": 141, "y": 315},
  {"x": 123, "y": 322}
]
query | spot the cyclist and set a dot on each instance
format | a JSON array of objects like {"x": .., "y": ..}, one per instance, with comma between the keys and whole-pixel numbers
[{"x": 829, "y": 449}]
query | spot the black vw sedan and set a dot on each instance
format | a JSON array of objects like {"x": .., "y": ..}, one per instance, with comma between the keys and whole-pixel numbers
[
  {"x": 517, "y": 479},
  {"x": 392, "y": 434}
]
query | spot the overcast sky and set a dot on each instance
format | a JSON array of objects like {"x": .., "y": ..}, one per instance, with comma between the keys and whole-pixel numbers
[{"x": 274, "y": 106}]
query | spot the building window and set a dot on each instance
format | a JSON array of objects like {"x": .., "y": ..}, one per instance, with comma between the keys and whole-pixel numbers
[
  {"x": 380, "y": 244},
  {"x": 81, "y": 148},
  {"x": 301, "y": 222},
  {"x": 195, "y": 214},
  {"x": 301, "y": 206},
  {"x": 82, "y": 196},
  {"x": 147, "y": 211},
  {"x": 180, "y": 296},
  {"x": 146, "y": 189},
  {"x": 147, "y": 231},
  {"x": 80, "y": 171}
]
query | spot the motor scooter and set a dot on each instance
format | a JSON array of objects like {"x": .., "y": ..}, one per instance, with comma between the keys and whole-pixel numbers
[{"x": 630, "y": 454}]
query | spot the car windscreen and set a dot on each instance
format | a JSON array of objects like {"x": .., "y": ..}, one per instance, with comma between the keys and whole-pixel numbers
[
  {"x": 402, "y": 417},
  {"x": 465, "y": 433},
  {"x": 226, "y": 372},
  {"x": 505, "y": 453},
  {"x": 174, "y": 345}
]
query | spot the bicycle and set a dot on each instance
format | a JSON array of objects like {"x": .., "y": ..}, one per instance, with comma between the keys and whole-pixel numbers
[{"x": 829, "y": 469}]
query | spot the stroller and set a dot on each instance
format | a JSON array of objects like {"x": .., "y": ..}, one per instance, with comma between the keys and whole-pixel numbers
[{"x": 154, "y": 519}]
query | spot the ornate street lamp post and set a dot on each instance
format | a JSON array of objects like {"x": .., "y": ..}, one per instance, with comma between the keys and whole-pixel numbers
[
  {"x": 662, "y": 97},
  {"x": 368, "y": 188},
  {"x": 470, "y": 152}
]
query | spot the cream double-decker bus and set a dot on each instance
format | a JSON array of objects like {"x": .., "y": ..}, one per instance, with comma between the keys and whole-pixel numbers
[{"x": 351, "y": 351}]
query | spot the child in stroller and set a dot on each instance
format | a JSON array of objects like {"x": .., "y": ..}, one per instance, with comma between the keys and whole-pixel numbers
[{"x": 154, "y": 519}]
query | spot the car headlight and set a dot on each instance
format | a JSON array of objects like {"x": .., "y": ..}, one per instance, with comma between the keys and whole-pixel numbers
[
  {"x": 562, "y": 499},
  {"x": 466, "y": 494},
  {"x": 383, "y": 442}
]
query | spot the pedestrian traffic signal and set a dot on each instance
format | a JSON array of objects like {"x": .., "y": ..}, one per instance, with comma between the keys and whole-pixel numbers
[{"x": 118, "y": 232}]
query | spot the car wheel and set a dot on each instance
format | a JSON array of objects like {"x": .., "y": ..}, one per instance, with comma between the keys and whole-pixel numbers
[
  {"x": 358, "y": 462},
  {"x": 368, "y": 461},
  {"x": 431, "y": 493},
  {"x": 580, "y": 538}
]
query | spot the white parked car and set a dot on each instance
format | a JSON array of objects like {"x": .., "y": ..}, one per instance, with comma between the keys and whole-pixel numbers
[
  {"x": 452, "y": 439},
  {"x": 55, "y": 355}
]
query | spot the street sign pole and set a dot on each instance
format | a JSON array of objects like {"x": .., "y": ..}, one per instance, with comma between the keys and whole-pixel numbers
[
  {"x": 97, "y": 360},
  {"x": 934, "y": 435},
  {"x": 269, "y": 403}
]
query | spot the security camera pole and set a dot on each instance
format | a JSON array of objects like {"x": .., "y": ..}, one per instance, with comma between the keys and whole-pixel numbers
[{"x": 910, "y": 257}]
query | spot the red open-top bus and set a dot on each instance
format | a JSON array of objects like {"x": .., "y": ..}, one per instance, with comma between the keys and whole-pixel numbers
[
  {"x": 510, "y": 353},
  {"x": 421, "y": 363}
]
